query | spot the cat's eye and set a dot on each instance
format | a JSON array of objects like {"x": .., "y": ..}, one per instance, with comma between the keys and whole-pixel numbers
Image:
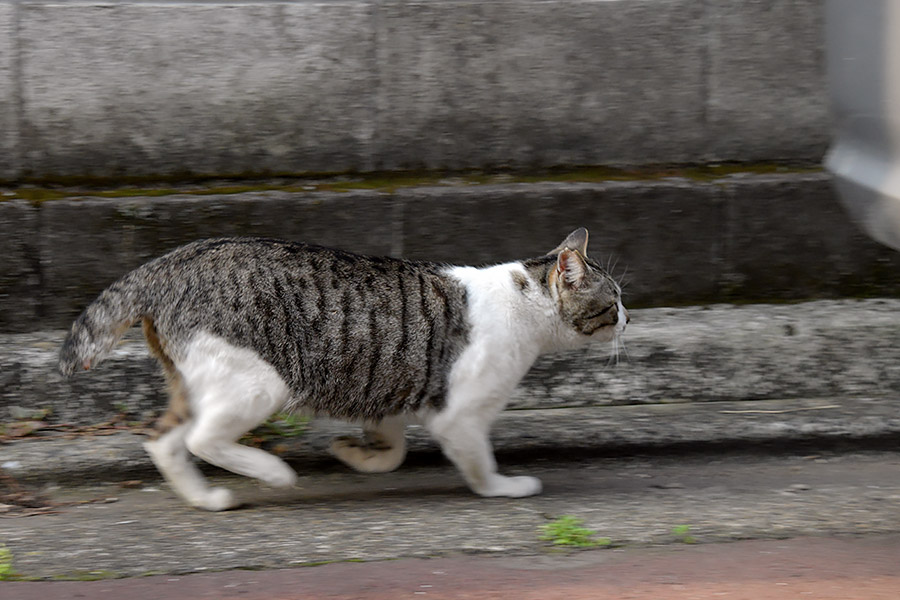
[{"x": 602, "y": 312}]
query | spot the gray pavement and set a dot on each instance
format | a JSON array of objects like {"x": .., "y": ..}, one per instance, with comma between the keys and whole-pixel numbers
[
  {"x": 726, "y": 470},
  {"x": 835, "y": 568}
]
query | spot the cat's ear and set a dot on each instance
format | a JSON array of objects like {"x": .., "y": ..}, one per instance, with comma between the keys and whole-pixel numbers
[
  {"x": 577, "y": 240},
  {"x": 570, "y": 267}
]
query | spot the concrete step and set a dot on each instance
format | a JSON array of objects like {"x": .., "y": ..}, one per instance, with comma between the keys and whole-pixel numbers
[
  {"x": 688, "y": 238},
  {"x": 820, "y": 349}
]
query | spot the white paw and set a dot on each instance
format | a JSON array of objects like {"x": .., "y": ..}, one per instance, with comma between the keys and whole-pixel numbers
[
  {"x": 347, "y": 449},
  {"x": 216, "y": 499},
  {"x": 339, "y": 444},
  {"x": 511, "y": 487},
  {"x": 283, "y": 477},
  {"x": 157, "y": 453}
]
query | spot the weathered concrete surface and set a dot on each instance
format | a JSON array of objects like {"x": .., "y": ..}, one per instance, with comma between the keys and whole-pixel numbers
[
  {"x": 820, "y": 349},
  {"x": 736, "y": 238},
  {"x": 9, "y": 108},
  {"x": 20, "y": 284},
  {"x": 427, "y": 512},
  {"x": 659, "y": 231},
  {"x": 777, "y": 241},
  {"x": 753, "y": 352},
  {"x": 131, "y": 88},
  {"x": 541, "y": 83},
  {"x": 112, "y": 89},
  {"x": 756, "y": 47}
]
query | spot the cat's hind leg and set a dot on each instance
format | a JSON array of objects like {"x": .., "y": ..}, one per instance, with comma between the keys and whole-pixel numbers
[
  {"x": 214, "y": 439},
  {"x": 168, "y": 450},
  {"x": 232, "y": 391},
  {"x": 170, "y": 455},
  {"x": 227, "y": 391},
  {"x": 382, "y": 447}
]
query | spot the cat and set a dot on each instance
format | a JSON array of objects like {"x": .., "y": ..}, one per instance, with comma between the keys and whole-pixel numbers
[{"x": 246, "y": 327}]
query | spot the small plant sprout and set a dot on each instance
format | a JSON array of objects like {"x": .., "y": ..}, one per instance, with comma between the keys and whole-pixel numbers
[
  {"x": 683, "y": 533},
  {"x": 279, "y": 426},
  {"x": 6, "y": 569},
  {"x": 569, "y": 531},
  {"x": 286, "y": 424}
]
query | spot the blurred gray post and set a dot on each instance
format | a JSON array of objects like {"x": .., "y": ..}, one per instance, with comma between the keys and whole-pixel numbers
[{"x": 863, "y": 57}]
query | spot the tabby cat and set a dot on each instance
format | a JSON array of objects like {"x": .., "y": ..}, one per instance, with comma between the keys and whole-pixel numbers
[{"x": 246, "y": 327}]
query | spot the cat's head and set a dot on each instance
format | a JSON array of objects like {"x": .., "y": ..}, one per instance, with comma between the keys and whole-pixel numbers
[{"x": 588, "y": 299}]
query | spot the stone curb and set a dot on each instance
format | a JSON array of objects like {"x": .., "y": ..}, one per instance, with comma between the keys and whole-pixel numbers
[
  {"x": 828, "y": 349},
  {"x": 526, "y": 436}
]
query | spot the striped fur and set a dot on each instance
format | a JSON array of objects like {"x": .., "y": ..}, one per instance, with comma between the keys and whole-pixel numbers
[{"x": 354, "y": 337}]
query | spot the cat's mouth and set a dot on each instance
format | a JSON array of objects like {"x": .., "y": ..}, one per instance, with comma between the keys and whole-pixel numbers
[{"x": 590, "y": 329}]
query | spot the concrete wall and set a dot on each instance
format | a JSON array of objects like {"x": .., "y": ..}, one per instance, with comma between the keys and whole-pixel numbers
[
  {"x": 134, "y": 88},
  {"x": 154, "y": 88}
]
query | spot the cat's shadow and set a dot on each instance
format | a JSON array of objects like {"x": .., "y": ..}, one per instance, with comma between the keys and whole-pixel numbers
[{"x": 366, "y": 494}]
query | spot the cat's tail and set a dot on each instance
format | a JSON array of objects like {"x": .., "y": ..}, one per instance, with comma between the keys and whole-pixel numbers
[{"x": 100, "y": 326}]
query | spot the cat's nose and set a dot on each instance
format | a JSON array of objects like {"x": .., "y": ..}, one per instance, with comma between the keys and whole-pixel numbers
[{"x": 627, "y": 318}]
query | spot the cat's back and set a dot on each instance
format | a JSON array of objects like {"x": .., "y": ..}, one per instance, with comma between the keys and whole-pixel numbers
[
  {"x": 353, "y": 335},
  {"x": 251, "y": 266},
  {"x": 220, "y": 256}
]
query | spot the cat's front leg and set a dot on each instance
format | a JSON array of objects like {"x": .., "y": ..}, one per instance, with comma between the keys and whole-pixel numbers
[{"x": 464, "y": 439}]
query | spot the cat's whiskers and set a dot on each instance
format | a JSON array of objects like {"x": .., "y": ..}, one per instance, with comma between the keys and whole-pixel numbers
[
  {"x": 614, "y": 353},
  {"x": 623, "y": 280},
  {"x": 621, "y": 340},
  {"x": 614, "y": 356},
  {"x": 611, "y": 264}
]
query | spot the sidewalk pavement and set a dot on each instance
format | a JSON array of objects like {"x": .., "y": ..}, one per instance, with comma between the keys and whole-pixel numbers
[
  {"x": 103, "y": 528},
  {"x": 808, "y": 567}
]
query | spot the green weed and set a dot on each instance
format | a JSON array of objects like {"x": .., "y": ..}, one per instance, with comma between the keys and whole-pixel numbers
[
  {"x": 569, "y": 531},
  {"x": 683, "y": 533},
  {"x": 279, "y": 426},
  {"x": 6, "y": 568}
]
